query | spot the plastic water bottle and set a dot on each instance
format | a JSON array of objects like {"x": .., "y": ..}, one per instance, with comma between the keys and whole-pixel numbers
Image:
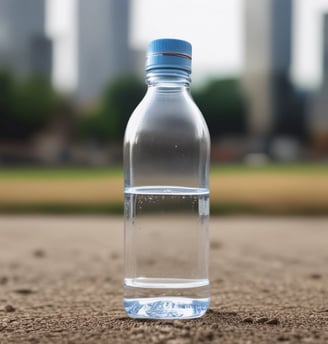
[{"x": 166, "y": 173}]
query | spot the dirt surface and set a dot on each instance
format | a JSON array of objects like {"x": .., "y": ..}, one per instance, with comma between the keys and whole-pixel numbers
[
  {"x": 61, "y": 282},
  {"x": 285, "y": 193}
]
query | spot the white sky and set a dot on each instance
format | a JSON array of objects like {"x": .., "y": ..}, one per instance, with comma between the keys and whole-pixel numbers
[
  {"x": 307, "y": 48},
  {"x": 215, "y": 29}
]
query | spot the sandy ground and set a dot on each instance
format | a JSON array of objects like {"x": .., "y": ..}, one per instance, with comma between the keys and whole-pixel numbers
[
  {"x": 61, "y": 282},
  {"x": 265, "y": 191}
]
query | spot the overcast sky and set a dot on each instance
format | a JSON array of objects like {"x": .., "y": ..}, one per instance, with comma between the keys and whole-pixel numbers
[{"x": 215, "y": 29}]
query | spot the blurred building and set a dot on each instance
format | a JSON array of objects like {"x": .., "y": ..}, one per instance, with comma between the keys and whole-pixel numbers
[
  {"x": 103, "y": 50},
  {"x": 88, "y": 47},
  {"x": 267, "y": 56},
  {"x": 24, "y": 47},
  {"x": 318, "y": 120}
]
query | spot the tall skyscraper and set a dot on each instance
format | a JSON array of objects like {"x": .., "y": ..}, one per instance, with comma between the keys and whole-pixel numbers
[
  {"x": 325, "y": 51},
  {"x": 267, "y": 53},
  {"x": 24, "y": 47},
  {"x": 318, "y": 121},
  {"x": 90, "y": 42},
  {"x": 102, "y": 45}
]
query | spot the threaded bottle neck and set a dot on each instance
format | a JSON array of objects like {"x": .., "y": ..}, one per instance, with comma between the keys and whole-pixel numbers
[{"x": 168, "y": 77}]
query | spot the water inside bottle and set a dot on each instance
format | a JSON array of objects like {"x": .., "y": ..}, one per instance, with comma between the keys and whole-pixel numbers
[{"x": 166, "y": 238}]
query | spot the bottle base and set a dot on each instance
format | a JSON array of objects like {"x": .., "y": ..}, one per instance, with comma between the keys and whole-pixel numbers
[{"x": 166, "y": 308}]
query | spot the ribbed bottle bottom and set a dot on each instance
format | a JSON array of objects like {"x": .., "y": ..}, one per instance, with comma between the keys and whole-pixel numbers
[{"x": 166, "y": 307}]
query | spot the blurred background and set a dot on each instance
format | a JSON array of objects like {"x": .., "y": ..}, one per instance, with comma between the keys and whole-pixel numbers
[{"x": 71, "y": 73}]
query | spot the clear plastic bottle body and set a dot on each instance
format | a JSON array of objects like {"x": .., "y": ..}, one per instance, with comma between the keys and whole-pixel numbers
[{"x": 166, "y": 178}]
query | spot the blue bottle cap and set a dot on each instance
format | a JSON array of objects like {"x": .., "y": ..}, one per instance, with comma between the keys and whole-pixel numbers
[{"x": 169, "y": 53}]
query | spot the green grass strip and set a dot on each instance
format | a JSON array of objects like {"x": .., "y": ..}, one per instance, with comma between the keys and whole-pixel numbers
[
  {"x": 95, "y": 173},
  {"x": 218, "y": 208},
  {"x": 59, "y": 173},
  {"x": 314, "y": 168}
]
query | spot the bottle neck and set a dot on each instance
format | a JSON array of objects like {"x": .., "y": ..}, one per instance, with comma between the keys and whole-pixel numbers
[{"x": 168, "y": 78}]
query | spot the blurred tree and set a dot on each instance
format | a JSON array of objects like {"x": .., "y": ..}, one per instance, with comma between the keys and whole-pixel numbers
[
  {"x": 121, "y": 98},
  {"x": 290, "y": 109},
  {"x": 6, "y": 86},
  {"x": 26, "y": 106},
  {"x": 107, "y": 122},
  {"x": 97, "y": 125},
  {"x": 6, "y": 103},
  {"x": 220, "y": 101},
  {"x": 223, "y": 107}
]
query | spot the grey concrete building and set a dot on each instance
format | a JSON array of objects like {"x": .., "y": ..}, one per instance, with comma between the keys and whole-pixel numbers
[
  {"x": 102, "y": 45},
  {"x": 267, "y": 58},
  {"x": 318, "y": 120},
  {"x": 24, "y": 47},
  {"x": 101, "y": 42}
]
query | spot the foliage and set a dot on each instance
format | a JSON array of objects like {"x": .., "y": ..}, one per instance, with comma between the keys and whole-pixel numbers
[
  {"x": 220, "y": 101},
  {"x": 121, "y": 98},
  {"x": 108, "y": 121},
  {"x": 97, "y": 125},
  {"x": 26, "y": 105},
  {"x": 289, "y": 106},
  {"x": 223, "y": 106}
]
